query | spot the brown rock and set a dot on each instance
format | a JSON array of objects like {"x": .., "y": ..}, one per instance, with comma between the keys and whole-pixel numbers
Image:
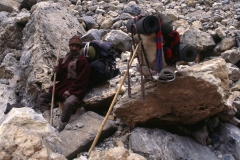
[{"x": 187, "y": 100}]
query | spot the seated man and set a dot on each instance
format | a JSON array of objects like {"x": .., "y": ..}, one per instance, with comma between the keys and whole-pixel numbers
[{"x": 72, "y": 74}]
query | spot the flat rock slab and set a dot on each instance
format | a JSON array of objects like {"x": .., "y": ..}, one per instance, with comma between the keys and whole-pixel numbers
[
  {"x": 180, "y": 101},
  {"x": 79, "y": 134},
  {"x": 226, "y": 139},
  {"x": 158, "y": 144},
  {"x": 198, "y": 92}
]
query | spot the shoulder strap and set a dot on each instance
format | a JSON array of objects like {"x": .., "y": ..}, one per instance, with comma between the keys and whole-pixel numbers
[{"x": 85, "y": 49}]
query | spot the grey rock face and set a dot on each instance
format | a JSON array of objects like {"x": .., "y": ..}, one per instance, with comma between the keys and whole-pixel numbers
[
  {"x": 226, "y": 139},
  {"x": 132, "y": 9},
  {"x": 9, "y": 5},
  {"x": 10, "y": 76},
  {"x": 233, "y": 72},
  {"x": 10, "y": 35},
  {"x": 77, "y": 139},
  {"x": 158, "y": 144},
  {"x": 120, "y": 40},
  {"x": 94, "y": 34},
  {"x": 90, "y": 22},
  {"x": 232, "y": 56},
  {"x": 202, "y": 41}
]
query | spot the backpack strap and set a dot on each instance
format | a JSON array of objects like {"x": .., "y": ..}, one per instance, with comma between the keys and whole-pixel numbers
[{"x": 86, "y": 49}]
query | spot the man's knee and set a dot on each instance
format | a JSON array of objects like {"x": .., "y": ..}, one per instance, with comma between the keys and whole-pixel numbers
[{"x": 71, "y": 101}]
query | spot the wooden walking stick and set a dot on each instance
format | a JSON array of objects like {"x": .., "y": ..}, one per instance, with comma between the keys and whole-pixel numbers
[
  {"x": 112, "y": 104},
  {"x": 54, "y": 82}
]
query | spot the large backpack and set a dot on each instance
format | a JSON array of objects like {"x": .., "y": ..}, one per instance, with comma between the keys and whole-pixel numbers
[{"x": 100, "y": 55}]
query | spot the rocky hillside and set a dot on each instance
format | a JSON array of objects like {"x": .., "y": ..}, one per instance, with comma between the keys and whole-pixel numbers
[{"x": 196, "y": 116}]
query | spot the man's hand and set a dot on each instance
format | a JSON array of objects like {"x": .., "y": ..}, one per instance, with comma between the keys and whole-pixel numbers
[
  {"x": 66, "y": 94},
  {"x": 55, "y": 69}
]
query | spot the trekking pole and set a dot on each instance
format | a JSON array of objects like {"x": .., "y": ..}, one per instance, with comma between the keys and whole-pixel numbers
[
  {"x": 112, "y": 104},
  {"x": 54, "y": 82}
]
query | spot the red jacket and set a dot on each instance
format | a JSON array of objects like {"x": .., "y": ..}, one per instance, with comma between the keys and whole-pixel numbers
[{"x": 74, "y": 86}]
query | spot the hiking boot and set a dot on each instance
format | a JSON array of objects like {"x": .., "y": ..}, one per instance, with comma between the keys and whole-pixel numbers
[
  {"x": 46, "y": 115},
  {"x": 61, "y": 126}
]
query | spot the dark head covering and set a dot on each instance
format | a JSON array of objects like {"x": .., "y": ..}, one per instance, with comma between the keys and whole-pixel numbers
[{"x": 75, "y": 40}]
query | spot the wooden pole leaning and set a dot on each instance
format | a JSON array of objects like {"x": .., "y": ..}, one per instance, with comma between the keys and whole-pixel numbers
[
  {"x": 112, "y": 104},
  {"x": 54, "y": 82}
]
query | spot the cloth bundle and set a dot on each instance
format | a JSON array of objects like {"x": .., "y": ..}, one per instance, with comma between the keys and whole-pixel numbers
[{"x": 144, "y": 25}]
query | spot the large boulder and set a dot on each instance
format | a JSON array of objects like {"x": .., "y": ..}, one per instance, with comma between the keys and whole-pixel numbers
[
  {"x": 99, "y": 99},
  {"x": 79, "y": 134},
  {"x": 9, "y": 78},
  {"x": 226, "y": 139},
  {"x": 9, "y": 5},
  {"x": 120, "y": 40},
  {"x": 197, "y": 93},
  {"x": 232, "y": 56},
  {"x": 159, "y": 144},
  {"x": 41, "y": 38},
  {"x": 10, "y": 35},
  {"x": 200, "y": 40},
  {"x": 24, "y": 134}
]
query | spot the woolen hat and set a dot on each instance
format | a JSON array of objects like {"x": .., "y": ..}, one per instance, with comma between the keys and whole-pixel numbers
[{"x": 75, "y": 40}]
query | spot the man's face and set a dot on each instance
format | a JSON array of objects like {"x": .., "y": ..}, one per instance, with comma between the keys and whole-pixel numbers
[{"x": 74, "y": 47}]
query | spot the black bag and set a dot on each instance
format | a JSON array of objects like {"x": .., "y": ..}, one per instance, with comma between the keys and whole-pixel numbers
[{"x": 103, "y": 65}]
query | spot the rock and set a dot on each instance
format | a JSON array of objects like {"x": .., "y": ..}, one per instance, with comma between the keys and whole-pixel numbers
[
  {"x": 120, "y": 40},
  {"x": 159, "y": 144},
  {"x": 25, "y": 134},
  {"x": 99, "y": 98},
  {"x": 226, "y": 139},
  {"x": 172, "y": 13},
  {"x": 90, "y": 22},
  {"x": 122, "y": 90},
  {"x": 220, "y": 33},
  {"x": 180, "y": 23},
  {"x": 202, "y": 41},
  {"x": 179, "y": 101},
  {"x": 94, "y": 34},
  {"x": 117, "y": 153},
  {"x": 236, "y": 87},
  {"x": 213, "y": 71},
  {"x": 9, "y": 71},
  {"x": 77, "y": 140},
  {"x": 125, "y": 16},
  {"x": 232, "y": 56},
  {"x": 10, "y": 35},
  {"x": 107, "y": 23},
  {"x": 233, "y": 72},
  {"x": 190, "y": 3},
  {"x": 227, "y": 43},
  {"x": 9, "y": 5},
  {"x": 23, "y": 17},
  {"x": 132, "y": 9},
  {"x": 198, "y": 25}
]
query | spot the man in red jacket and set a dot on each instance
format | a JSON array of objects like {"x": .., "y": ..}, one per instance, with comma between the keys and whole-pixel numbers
[{"x": 72, "y": 74}]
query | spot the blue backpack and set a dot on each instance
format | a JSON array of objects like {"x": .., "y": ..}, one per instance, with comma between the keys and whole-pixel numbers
[{"x": 100, "y": 55}]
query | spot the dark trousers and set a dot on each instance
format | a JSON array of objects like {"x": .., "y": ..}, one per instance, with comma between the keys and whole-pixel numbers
[{"x": 44, "y": 101}]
